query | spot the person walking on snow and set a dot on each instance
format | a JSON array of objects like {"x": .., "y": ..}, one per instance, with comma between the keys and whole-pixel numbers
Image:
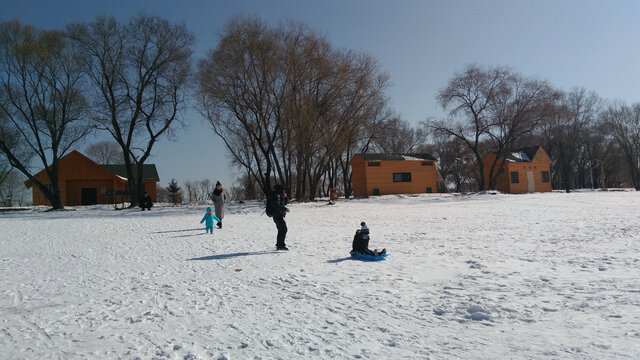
[
  {"x": 277, "y": 209},
  {"x": 209, "y": 217},
  {"x": 219, "y": 198}
]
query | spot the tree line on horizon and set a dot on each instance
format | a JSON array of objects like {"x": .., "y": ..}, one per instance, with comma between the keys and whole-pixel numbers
[{"x": 290, "y": 107}]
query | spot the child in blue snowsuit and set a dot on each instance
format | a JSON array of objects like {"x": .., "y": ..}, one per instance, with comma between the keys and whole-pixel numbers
[{"x": 209, "y": 217}]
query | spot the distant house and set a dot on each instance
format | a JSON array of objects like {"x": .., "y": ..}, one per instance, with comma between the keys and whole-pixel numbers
[
  {"x": 84, "y": 182},
  {"x": 383, "y": 174},
  {"x": 527, "y": 170}
]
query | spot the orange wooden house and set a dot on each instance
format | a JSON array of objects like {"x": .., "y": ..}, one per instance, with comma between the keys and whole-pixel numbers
[
  {"x": 527, "y": 170},
  {"x": 383, "y": 174},
  {"x": 84, "y": 182}
]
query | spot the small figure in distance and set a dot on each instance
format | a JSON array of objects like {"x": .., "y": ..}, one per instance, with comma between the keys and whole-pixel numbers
[
  {"x": 145, "y": 201},
  {"x": 209, "y": 217}
]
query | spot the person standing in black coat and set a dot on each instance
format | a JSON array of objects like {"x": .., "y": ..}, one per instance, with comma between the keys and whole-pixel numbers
[{"x": 277, "y": 209}]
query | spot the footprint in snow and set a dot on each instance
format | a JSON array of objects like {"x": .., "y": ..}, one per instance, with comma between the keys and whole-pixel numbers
[
  {"x": 477, "y": 313},
  {"x": 479, "y": 316}
]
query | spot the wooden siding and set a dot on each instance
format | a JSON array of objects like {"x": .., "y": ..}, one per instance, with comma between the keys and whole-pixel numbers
[
  {"x": 541, "y": 162},
  {"x": 74, "y": 191},
  {"x": 76, "y": 172},
  {"x": 367, "y": 178},
  {"x": 359, "y": 176}
]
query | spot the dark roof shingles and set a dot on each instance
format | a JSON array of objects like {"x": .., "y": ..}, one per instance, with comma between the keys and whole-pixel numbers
[
  {"x": 392, "y": 157},
  {"x": 149, "y": 171}
]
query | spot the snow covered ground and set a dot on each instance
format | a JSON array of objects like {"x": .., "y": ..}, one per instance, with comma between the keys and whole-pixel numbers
[{"x": 477, "y": 277}]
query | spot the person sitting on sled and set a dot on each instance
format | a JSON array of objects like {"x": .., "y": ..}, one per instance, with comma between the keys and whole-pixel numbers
[
  {"x": 361, "y": 242},
  {"x": 209, "y": 217}
]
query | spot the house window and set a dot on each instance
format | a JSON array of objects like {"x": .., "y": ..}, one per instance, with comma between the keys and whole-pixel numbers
[
  {"x": 401, "y": 177},
  {"x": 429, "y": 191},
  {"x": 427, "y": 163},
  {"x": 374, "y": 163},
  {"x": 514, "y": 177},
  {"x": 545, "y": 176}
]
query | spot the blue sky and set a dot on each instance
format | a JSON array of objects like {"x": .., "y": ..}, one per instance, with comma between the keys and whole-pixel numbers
[{"x": 591, "y": 44}]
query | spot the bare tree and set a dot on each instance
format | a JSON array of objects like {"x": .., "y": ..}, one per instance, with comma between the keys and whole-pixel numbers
[
  {"x": 140, "y": 76},
  {"x": 191, "y": 191},
  {"x": 468, "y": 96},
  {"x": 517, "y": 112},
  {"x": 247, "y": 188},
  {"x": 5, "y": 168},
  {"x": 455, "y": 162},
  {"x": 624, "y": 124},
  {"x": 238, "y": 88},
  {"x": 204, "y": 189},
  {"x": 42, "y": 107},
  {"x": 330, "y": 95},
  {"x": 567, "y": 131},
  {"x": 397, "y": 136},
  {"x": 12, "y": 189},
  {"x": 492, "y": 109},
  {"x": 285, "y": 102},
  {"x": 360, "y": 141},
  {"x": 105, "y": 152}
]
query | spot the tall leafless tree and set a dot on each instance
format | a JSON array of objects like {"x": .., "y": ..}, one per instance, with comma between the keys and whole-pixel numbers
[
  {"x": 468, "y": 97},
  {"x": 491, "y": 109},
  {"x": 238, "y": 91},
  {"x": 624, "y": 124},
  {"x": 105, "y": 152},
  {"x": 397, "y": 136},
  {"x": 204, "y": 188},
  {"x": 285, "y": 102},
  {"x": 455, "y": 162},
  {"x": 567, "y": 130},
  {"x": 517, "y": 112},
  {"x": 139, "y": 72},
  {"x": 42, "y": 107}
]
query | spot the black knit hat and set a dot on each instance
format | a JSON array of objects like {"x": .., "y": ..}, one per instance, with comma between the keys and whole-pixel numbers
[
  {"x": 218, "y": 183},
  {"x": 364, "y": 228}
]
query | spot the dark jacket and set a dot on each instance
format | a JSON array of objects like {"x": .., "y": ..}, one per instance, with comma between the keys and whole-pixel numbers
[
  {"x": 360, "y": 242},
  {"x": 145, "y": 201},
  {"x": 278, "y": 204}
]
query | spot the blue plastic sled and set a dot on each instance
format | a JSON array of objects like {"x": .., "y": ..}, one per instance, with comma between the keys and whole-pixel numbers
[{"x": 363, "y": 257}]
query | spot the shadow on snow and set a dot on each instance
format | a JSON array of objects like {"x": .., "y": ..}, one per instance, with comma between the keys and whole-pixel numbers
[
  {"x": 233, "y": 255},
  {"x": 190, "y": 235},
  {"x": 175, "y": 231}
]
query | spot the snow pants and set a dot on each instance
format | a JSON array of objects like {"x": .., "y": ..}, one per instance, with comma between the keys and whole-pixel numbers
[{"x": 282, "y": 230}]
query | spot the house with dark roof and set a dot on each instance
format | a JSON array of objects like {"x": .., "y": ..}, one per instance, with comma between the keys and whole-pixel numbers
[
  {"x": 384, "y": 174},
  {"x": 85, "y": 182},
  {"x": 526, "y": 170}
]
